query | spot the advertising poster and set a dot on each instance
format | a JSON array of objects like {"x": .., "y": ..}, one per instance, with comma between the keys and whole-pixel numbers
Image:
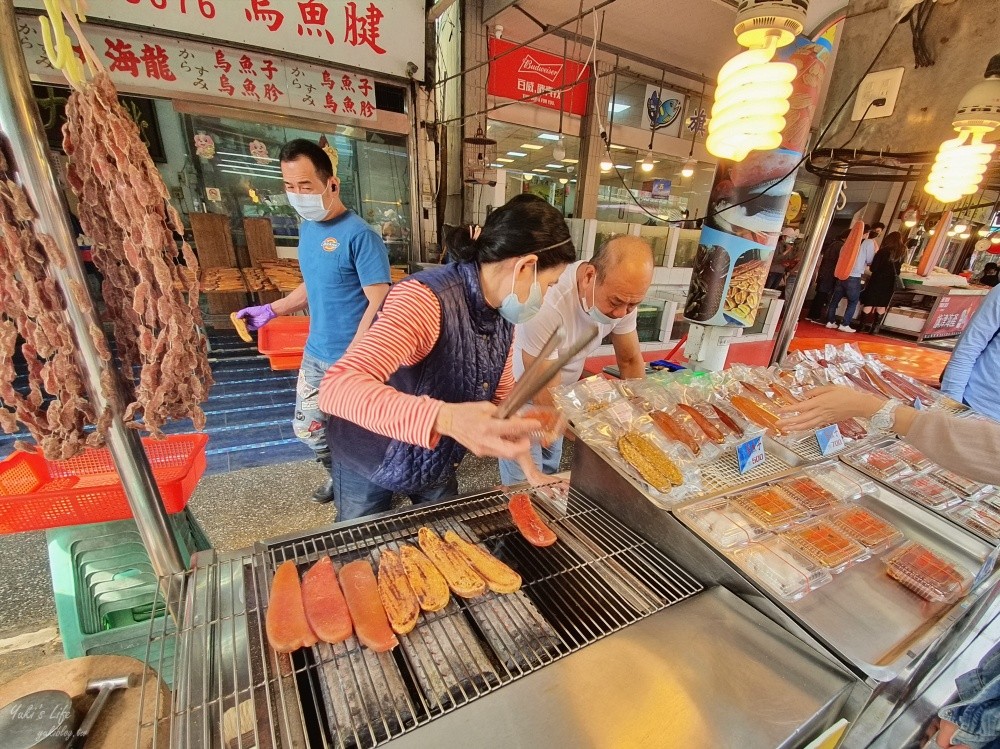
[
  {"x": 748, "y": 203},
  {"x": 663, "y": 110}
]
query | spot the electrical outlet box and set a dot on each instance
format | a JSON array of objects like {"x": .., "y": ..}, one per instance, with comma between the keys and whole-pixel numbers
[{"x": 882, "y": 84}]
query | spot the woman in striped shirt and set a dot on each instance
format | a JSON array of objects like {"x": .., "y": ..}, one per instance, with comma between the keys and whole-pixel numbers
[{"x": 420, "y": 389}]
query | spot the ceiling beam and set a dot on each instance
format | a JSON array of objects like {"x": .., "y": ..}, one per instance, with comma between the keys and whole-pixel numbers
[
  {"x": 628, "y": 55},
  {"x": 438, "y": 10}
]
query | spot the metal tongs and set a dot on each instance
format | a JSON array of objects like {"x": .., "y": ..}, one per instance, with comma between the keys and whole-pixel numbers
[{"x": 541, "y": 371}]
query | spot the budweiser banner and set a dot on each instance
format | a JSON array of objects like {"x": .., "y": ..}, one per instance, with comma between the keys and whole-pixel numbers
[{"x": 534, "y": 76}]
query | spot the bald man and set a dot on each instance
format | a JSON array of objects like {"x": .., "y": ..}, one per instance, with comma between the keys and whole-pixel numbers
[{"x": 604, "y": 294}]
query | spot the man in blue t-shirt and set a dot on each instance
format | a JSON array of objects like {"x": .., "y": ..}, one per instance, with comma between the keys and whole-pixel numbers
[{"x": 345, "y": 267}]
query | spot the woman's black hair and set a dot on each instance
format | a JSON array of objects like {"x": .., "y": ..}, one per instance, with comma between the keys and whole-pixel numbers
[
  {"x": 523, "y": 225},
  {"x": 893, "y": 244},
  {"x": 990, "y": 267}
]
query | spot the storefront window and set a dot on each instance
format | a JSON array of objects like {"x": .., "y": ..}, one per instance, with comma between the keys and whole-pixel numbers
[
  {"x": 238, "y": 174},
  {"x": 528, "y": 157},
  {"x": 659, "y": 195}
]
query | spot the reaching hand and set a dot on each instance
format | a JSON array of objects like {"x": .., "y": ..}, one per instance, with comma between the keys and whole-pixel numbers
[
  {"x": 828, "y": 405},
  {"x": 257, "y": 317},
  {"x": 475, "y": 426}
]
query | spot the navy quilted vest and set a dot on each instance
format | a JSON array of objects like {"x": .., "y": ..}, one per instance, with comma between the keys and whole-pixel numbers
[{"x": 465, "y": 365}]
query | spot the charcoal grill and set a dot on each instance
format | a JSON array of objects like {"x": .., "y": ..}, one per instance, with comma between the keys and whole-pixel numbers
[{"x": 233, "y": 690}]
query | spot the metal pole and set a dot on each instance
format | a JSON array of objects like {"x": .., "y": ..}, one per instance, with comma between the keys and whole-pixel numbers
[
  {"x": 818, "y": 224},
  {"x": 21, "y": 126}
]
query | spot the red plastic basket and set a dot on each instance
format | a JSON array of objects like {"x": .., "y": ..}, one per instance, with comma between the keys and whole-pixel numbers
[
  {"x": 36, "y": 493},
  {"x": 283, "y": 340}
]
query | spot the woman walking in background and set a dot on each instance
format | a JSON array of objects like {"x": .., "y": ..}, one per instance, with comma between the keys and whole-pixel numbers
[{"x": 882, "y": 282}]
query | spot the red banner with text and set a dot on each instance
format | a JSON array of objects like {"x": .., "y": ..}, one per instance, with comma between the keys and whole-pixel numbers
[{"x": 537, "y": 77}]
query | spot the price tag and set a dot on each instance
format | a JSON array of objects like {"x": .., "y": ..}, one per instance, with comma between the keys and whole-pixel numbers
[
  {"x": 750, "y": 454},
  {"x": 830, "y": 440}
]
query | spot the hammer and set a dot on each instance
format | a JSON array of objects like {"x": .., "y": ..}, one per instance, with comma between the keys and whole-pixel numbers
[{"x": 104, "y": 688}]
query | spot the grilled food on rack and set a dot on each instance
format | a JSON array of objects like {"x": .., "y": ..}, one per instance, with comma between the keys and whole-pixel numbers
[
  {"x": 675, "y": 430},
  {"x": 463, "y": 580},
  {"x": 326, "y": 608},
  {"x": 729, "y": 421},
  {"x": 656, "y": 469},
  {"x": 286, "y": 625},
  {"x": 528, "y": 522},
  {"x": 370, "y": 622},
  {"x": 498, "y": 576},
  {"x": 711, "y": 431},
  {"x": 429, "y": 585},
  {"x": 755, "y": 412},
  {"x": 398, "y": 598}
]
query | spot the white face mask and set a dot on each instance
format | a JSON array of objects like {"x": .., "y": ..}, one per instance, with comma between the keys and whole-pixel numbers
[
  {"x": 309, "y": 205},
  {"x": 513, "y": 310},
  {"x": 595, "y": 314}
]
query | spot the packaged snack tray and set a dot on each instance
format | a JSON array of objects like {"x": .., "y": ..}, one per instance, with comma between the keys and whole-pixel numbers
[
  {"x": 725, "y": 526},
  {"x": 826, "y": 545},
  {"x": 772, "y": 508},
  {"x": 866, "y": 527},
  {"x": 927, "y": 490},
  {"x": 781, "y": 569},
  {"x": 930, "y": 576}
]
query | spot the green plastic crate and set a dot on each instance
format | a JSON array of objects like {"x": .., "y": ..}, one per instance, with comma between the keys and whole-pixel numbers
[{"x": 105, "y": 588}]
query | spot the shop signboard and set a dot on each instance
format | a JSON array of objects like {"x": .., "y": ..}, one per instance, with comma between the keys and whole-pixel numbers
[
  {"x": 377, "y": 35},
  {"x": 663, "y": 110},
  {"x": 525, "y": 73},
  {"x": 951, "y": 315},
  {"x": 147, "y": 63}
]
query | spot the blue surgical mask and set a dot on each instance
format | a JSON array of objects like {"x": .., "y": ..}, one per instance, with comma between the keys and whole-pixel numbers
[
  {"x": 513, "y": 310},
  {"x": 595, "y": 314}
]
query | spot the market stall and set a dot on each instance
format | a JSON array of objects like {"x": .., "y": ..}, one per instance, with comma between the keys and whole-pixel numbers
[
  {"x": 854, "y": 564},
  {"x": 932, "y": 307}
]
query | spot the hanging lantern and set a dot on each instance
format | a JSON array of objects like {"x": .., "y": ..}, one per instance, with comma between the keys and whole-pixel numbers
[
  {"x": 751, "y": 98},
  {"x": 961, "y": 161},
  {"x": 478, "y": 155},
  {"x": 647, "y": 163}
]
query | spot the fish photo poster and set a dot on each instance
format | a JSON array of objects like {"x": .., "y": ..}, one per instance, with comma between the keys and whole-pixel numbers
[{"x": 747, "y": 206}]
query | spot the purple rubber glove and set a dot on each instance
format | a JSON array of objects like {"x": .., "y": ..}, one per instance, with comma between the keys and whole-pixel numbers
[{"x": 257, "y": 317}]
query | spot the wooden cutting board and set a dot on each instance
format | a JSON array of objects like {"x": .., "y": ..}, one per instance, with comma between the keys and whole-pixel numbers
[{"x": 118, "y": 722}]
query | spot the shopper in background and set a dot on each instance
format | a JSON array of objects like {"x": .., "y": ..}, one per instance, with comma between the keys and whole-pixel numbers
[
  {"x": 421, "y": 388},
  {"x": 968, "y": 447},
  {"x": 825, "y": 278},
  {"x": 785, "y": 260},
  {"x": 851, "y": 288},
  {"x": 345, "y": 271},
  {"x": 603, "y": 294},
  {"x": 973, "y": 372},
  {"x": 881, "y": 285},
  {"x": 991, "y": 275}
]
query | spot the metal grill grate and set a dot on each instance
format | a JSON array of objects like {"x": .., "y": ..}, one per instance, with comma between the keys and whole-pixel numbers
[
  {"x": 723, "y": 473},
  {"x": 232, "y": 690}
]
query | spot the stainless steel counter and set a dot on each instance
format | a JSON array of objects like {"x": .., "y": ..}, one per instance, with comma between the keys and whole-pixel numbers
[{"x": 708, "y": 672}]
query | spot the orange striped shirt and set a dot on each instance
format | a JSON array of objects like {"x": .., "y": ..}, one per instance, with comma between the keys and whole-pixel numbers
[{"x": 405, "y": 332}]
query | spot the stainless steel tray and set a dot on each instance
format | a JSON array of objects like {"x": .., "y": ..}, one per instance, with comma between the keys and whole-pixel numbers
[
  {"x": 947, "y": 514},
  {"x": 863, "y": 615}
]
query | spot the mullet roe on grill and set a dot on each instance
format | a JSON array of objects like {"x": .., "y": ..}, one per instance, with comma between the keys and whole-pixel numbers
[
  {"x": 371, "y": 625},
  {"x": 527, "y": 520},
  {"x": 287, "y": 626},
  {"x": 326, "y": 608}
]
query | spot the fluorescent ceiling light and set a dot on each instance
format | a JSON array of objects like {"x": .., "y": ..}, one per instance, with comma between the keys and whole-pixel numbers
[
  {"x": 622, "y": 166},
  {"x": 541, "y": 171},
  {"x": 531, "y": 146},
  {"x": 617, "y": 148},
  {"x": 616, "y": 107},
  {"x": 547, "y": 136},
  {"x": 639, "y": 161},
  {"x": 516, "y": 153},
  {"x": 502, "y": 160},
  {"x": 554, "y": 166},
  {"x": 497, "y": 166},
  {"x": 570, "y": 161}
]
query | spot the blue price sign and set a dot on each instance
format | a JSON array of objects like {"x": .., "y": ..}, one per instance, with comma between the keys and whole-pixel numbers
[
  {"x": 830, "y": 440},
  {"x": 750, "y": 454}
]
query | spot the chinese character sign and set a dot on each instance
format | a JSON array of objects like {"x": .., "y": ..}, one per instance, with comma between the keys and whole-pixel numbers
[
  {"x": 378, "y": 35},
  {"x": 142, "y": 62}
]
